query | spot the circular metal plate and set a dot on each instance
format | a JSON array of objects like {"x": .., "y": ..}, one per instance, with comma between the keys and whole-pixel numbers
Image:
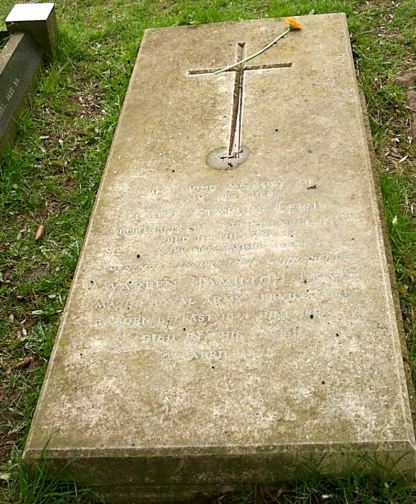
[{"x": 219, "y": 159}]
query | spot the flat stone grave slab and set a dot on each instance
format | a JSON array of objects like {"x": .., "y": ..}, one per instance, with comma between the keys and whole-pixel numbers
[{"x": 232, "y": 316}]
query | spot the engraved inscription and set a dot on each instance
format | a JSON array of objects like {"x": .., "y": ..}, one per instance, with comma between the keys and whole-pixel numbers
[
  {"x": 11, "y": 91},
  {"x": 243, "y": 267}
]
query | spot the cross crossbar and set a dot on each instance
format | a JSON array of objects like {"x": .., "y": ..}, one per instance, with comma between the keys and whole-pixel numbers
[
  {"x": 246, "y": 68},
  {"x": 234, "y": 144}
]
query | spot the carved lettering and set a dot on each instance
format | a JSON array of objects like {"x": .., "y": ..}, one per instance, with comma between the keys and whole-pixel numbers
[
  {"x": 157, "y": 338},
  {"x": 130, "y": 321},
  {"x": 145, "y": 285},
  {"x": 10, "y": 93},
  {"x": 155, "y": 215},
  {"x": 238, "y": 281},
  {"x": 228, "y": 335},
  {"x": 209, "y": 355}
]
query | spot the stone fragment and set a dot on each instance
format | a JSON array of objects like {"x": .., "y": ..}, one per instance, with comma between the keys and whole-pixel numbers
[
  {"x": 406, "y": 80},
  {"x": 37, "y": 20}
]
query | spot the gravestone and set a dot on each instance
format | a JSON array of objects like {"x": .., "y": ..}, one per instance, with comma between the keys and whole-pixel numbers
[
  {"x": 37, "y": 20},
  {"x": 232, "y": 316},
  {"x": 20, "y": 63},
  {"x": 33, "y": 33}
]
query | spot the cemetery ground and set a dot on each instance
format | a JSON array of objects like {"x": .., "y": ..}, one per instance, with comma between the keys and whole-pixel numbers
[{"x": 51, "y": 174}]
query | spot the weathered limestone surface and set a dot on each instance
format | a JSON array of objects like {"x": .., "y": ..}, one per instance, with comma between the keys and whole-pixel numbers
[{"x": 225, "y": 325}]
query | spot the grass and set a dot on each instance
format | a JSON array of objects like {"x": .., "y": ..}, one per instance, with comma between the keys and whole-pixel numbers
[
  {"x": 51, "y": 174},
  {"x": 3, "y": 39}
]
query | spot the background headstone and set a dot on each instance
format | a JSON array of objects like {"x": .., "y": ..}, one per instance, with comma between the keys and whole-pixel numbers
[
  {"x": 32, "y": 33},
  {"x": 20, "y": 62}
]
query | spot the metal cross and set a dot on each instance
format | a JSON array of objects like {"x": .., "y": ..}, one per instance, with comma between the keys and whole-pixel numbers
[{"x": 234, "y": 144}]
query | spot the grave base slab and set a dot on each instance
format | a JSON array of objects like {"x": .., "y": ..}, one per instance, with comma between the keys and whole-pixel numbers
[{"x": 231, "y": 322}]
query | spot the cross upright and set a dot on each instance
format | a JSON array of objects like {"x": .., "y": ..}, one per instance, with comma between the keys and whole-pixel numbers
[{"x": 235, "y": 141}]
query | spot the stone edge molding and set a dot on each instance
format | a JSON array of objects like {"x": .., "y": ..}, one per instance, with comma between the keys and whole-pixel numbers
[{"x": 32, "y": 40}]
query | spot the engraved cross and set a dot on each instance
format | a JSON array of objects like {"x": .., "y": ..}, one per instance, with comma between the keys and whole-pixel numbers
[{"x": 235, "y": 154}]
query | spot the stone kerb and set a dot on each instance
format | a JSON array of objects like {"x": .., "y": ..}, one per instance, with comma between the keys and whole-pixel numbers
[{"x": 33, "y": 33}]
